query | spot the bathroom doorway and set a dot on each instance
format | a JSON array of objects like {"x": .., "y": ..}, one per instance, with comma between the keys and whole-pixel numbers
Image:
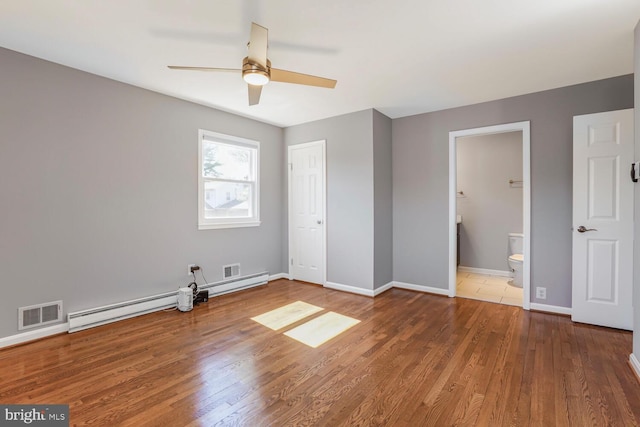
[{"x": 492, "y": 164}]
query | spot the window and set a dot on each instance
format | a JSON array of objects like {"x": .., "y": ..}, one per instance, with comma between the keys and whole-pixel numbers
[{"x": 228, "y": 185}]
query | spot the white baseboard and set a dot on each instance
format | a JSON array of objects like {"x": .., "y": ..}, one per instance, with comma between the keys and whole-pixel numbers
[
  {"x": 350, "y": 289},
  {"x": 278, "y": 276},
  {"x": 550, "y": 308},
  {"x": 420, "y": 288},
  {"x": 500, "y": 273},
  {"x": 33, "y": 335},
  {"x": 635, "y": 365},
  {"x": 382, "y": 289},
  {"x": 378, "y": 291}
]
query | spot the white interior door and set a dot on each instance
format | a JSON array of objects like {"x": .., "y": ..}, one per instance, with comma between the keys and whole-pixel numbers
[
  {"x": 307, "y": 212},
  {"x": 603, "y": 151}
]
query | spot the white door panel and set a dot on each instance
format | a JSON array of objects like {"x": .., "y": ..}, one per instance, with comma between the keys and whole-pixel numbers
[
  {"x": 603, "y": 150},
  {"x": 306, "y": 217}
]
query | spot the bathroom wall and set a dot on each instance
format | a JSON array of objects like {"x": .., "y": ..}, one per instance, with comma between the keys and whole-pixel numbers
[{"x": 491, "y": 208}]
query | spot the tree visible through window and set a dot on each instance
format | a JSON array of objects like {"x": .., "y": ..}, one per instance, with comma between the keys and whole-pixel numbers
[{"x": 228, "y": 181}]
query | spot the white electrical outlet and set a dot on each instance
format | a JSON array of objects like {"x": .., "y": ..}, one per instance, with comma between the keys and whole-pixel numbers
[
  {"x": 541, "y": 293},
  {"x": 189, "y": 273}
]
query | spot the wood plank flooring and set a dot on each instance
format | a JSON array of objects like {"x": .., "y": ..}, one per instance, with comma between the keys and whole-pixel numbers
[{"x": 414, "y": 360}]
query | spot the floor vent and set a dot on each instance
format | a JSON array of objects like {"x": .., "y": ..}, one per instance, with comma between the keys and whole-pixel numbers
[
  {"x": 231, "y": 270},
  {"x": 39, "y": 315}
]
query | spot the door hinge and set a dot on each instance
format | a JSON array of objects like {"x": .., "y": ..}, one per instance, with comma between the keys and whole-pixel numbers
[
  {"x": 291, "y": 261},
  {"x": 291, "y": 166}
]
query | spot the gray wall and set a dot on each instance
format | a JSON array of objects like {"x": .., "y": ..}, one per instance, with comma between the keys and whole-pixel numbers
[
  {"x": 491, "y": 208},
  {"x": 98, "y": 182},
  {"x": 420, "y": 180},
  {"x": 636, "y": 242},
  {"x": 383, "y": 200},
  {"x": 350, "y": 194}
]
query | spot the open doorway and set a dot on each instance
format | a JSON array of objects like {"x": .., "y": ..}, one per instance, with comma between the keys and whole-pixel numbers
[{"x": 494, "y": 271}]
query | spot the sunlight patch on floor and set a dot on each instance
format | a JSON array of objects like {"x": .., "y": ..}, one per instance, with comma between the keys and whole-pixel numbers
[
  {"x": 321, "y": 329},
  {"x": 286, "y": 315}
]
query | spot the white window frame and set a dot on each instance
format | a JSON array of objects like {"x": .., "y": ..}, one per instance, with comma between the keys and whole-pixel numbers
[{"x": 227, "y": 222}]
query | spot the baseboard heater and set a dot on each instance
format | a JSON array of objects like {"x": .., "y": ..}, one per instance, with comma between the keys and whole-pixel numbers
[{"x": 86, "y": 319}]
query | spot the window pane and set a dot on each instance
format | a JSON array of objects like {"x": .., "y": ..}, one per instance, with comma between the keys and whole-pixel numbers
[
  {"x": 227, "y": 161},
  {"x": 227, "y": 199}
]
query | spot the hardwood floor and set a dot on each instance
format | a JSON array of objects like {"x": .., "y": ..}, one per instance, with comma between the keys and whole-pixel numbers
[{"x": 414, "y": 360}]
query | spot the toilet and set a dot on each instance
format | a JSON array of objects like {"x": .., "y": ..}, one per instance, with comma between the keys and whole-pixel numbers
[{"x": 516, "y": 259}]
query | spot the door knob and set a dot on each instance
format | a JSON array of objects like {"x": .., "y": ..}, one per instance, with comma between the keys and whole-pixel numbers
[
  {"x": 583, "y": 229},
  {"x": 319, "y": 221}
]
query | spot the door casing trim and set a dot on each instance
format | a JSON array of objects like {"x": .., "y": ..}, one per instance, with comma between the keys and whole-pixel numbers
[{"x": 525, "y": 128}]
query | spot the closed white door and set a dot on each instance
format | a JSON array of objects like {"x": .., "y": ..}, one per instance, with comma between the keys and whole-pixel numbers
[
  {"x": 603, "y": 151},
  {"x": 307, "y": 212}
]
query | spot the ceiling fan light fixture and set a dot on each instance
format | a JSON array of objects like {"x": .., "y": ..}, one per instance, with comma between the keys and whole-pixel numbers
[
  {"x": 255, "y": 74},
  {"x": 256, "y": 78}
]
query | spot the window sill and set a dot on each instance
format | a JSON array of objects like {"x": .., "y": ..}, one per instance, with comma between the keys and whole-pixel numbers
[{"x": 229, "y": 225}]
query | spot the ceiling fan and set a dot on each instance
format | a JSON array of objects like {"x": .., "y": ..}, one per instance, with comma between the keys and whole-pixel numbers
[{"x": 256, "y": 68}]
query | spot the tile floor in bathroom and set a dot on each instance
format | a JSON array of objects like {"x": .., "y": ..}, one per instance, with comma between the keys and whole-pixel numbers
[{"x": 484, "y": 287}]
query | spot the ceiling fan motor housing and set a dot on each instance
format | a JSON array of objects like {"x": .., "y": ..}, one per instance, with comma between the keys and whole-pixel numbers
[{"x": 254, "y": 73}]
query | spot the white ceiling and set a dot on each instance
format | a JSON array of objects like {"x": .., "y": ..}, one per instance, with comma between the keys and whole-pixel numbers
[{"x": 402, "y": 57}]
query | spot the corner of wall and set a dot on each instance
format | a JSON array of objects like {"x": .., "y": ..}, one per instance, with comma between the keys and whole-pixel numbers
[{"x": 383, "y": 200}]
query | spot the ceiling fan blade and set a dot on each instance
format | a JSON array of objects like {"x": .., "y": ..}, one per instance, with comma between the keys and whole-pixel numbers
[
  {"x": 254, "y": 94},
  {"x": 301, "y": 79},
  {"x": 258, "y": 42},
  {"x": 179, "y": 67}
]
